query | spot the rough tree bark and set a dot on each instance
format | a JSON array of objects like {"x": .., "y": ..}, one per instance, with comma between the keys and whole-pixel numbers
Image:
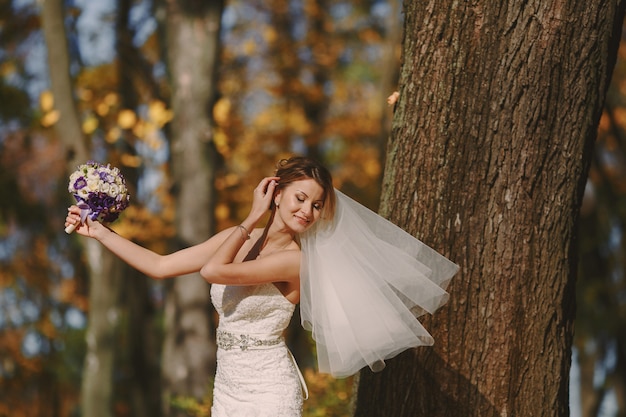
[
  {"x": 192, "y": 45},
  {"x": 490, "y": 148}
]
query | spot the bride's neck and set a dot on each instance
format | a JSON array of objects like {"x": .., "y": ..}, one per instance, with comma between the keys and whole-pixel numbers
[{"x": 278, "y": 237}]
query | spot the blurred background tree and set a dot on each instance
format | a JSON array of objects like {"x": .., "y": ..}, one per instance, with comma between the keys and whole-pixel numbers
[
  {"x": 191, "y": 45},
  {"x": 292, "y": 77}
]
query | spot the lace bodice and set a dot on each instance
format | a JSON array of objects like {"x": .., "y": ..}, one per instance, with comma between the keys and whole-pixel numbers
[
  {"x": 259, "y": 309},
  {"x": 256, "y": 374}
]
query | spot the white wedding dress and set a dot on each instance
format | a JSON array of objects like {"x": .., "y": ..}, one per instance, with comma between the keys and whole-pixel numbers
[{"x": 256, "y": 373}]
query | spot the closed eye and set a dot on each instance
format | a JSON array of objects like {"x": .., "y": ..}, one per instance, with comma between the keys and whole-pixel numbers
[{"x": 316, "y": 205}]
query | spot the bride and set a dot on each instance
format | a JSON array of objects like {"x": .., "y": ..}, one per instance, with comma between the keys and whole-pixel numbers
[{"x": 360, "y": 280}]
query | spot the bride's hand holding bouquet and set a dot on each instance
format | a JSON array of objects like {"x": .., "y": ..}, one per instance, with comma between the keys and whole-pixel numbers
[{"x": 101, "y": 195}]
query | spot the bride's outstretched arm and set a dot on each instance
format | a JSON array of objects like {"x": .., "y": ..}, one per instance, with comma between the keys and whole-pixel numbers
[{"x": 157, "y": 266}]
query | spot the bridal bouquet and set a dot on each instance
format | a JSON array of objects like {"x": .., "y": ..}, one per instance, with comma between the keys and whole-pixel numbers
[{"x": 100, "y": 192}]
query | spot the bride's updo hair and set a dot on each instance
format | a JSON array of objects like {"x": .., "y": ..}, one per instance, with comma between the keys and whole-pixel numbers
[{"x": 298, "y": 168}]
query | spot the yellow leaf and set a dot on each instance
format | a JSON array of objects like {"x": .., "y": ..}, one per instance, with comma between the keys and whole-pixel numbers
[
  {"x": 299, "y": 122},
  {"x": 102, "y": 109},
  {"x": 126, "y": 119},
  {"x": 270, "y": 34},
  {"x": 46, "y": 101},
  {"x": 111, "y": 99},
  {"x": 605, "y": 123},
  {"x": 220, "y": 139},
  {"x": 231, "y": 180},
  {"x": 90, "y": 124},
  {"x": 158, "y": 113},
  {"x": 370, "y": 36},
  {"x": 619, "y": 115},
  {"x": 113, "y": 135},
  {"x": 50, "y": 118},
  {"x": 221, "y": 110},
  {"x": 371, "y": 167},
  {"x": 264, "y": 119},
  {"x": 132, "y": 161},
  {"x": 139, "y": 129},
  {"x": 222, "y": 212}
]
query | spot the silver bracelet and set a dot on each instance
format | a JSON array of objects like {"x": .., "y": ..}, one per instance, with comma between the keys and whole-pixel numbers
[{"x": 247, "y": 236}]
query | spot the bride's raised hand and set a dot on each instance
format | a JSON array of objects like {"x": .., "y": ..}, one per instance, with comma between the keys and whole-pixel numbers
[
  {"x": 262, "y": 197},
  {"x": 89, "y": 228}
]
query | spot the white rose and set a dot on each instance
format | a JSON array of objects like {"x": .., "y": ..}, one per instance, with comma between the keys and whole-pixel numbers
[
  {"x": 114, "y": 190},
  {"x": 93, "y": 184}
]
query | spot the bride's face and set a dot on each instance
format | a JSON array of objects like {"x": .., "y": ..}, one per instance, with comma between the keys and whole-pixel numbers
[{"x": 300, "y": 204}]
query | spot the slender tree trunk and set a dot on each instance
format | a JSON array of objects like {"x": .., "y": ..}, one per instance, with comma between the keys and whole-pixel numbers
[
  {"x": 192, "y": 42},
  {"x": 97, "y": 382},
  {"x": 68, "y": 127},
  {"x": 491, "y": 142},
  {"x": 97, "y": 385}
]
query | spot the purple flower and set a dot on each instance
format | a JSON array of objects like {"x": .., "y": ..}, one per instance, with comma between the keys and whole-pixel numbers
[{"x": 80, "y": 183}]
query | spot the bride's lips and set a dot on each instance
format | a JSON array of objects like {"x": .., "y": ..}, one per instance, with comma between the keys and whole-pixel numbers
[{"x": 303, "y": 220}]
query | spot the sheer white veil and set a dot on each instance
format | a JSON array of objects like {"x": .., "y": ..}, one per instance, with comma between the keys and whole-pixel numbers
[{"x": 363, "y": 282}]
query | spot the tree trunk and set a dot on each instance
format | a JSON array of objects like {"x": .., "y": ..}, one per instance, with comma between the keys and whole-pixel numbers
[
  {"x": 68, "y": 127},
  {"x": 491, "y": 142},
  {"x": 97, "y": 382},
  {"x": 97, "y": 385},
  {"x": 192, "y": 42}
]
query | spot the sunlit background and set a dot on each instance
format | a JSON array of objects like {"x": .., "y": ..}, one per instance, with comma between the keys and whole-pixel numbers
[{"x": 277, "y": 95}]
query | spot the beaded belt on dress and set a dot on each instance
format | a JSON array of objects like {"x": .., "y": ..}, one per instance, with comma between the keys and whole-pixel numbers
[{"x": 227, "y": 341}]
